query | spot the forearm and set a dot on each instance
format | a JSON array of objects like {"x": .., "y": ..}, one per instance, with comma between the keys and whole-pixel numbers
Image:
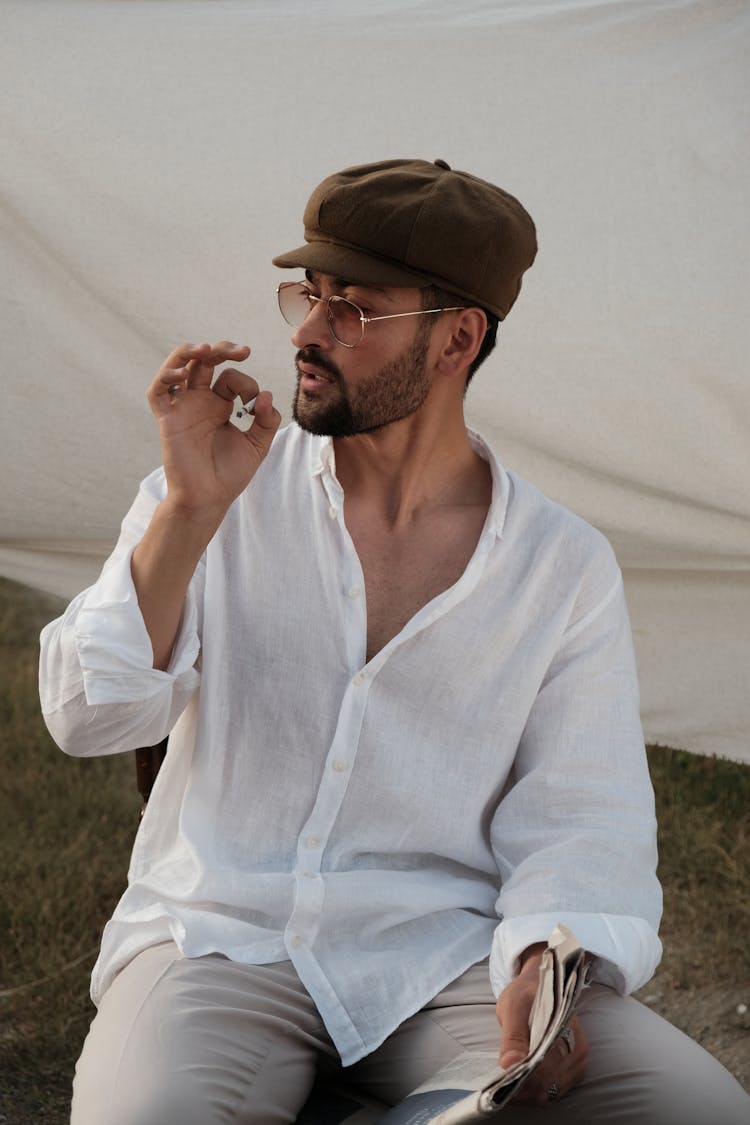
[
  {"x": 99, "y": 691},
  {"x": 207, "y": 462},
  {"x": 162, "y": 566}
]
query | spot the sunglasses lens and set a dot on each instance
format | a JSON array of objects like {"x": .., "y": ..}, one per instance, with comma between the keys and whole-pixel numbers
[
  {"x": 344, "y": 318},
  {"x": 346, "y": 321},
  {"x": 294, "y": 302}
]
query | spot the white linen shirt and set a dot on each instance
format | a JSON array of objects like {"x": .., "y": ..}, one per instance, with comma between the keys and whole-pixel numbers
[{"x": 383, "y": 824}]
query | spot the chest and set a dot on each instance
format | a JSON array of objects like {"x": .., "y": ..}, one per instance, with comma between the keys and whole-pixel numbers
[{"x": 404, "y": 570}]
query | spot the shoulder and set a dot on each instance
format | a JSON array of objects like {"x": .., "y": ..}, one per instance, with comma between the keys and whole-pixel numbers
[
  {"x": 527, "y": 520},
  {"x": 548, "y": 547},
  {"x": 532, "y": 515},
  {"x": 571, "y": 559}
]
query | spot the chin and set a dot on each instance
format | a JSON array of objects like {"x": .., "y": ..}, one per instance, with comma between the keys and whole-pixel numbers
[{"x": 333, "y": 421}]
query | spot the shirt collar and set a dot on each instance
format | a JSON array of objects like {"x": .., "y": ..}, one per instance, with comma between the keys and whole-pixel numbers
[
  {"x": 500, "y": 484},
  {"x": 323, "y": 461},
  {"x": 323, "y": 456}
]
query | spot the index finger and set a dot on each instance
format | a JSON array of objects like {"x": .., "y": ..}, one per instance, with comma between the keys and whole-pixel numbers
[
  {"x": 201, "y": 367},
  {"x": 225, "y": 349},
  {"x": 184, "y": 353}
]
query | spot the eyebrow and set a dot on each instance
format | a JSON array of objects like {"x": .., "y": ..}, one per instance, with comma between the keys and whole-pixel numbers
[{"x": 346, "y": 283}]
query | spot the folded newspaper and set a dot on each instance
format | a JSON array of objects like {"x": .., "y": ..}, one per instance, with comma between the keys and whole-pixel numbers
[{"x": 445, "y": 1099}]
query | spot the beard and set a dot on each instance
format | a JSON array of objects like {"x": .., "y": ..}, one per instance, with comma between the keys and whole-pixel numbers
[{"x": 395, "y": 391}]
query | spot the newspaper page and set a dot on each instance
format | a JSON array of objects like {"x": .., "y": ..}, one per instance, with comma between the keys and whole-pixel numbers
[{"x": 475, "y": 1087}]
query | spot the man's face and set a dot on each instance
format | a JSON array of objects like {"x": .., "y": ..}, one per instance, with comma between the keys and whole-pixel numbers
[{"x": 346, "y": 391}]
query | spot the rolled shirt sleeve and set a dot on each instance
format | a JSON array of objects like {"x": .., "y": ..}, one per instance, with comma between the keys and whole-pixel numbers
[{"x": 96, "y": 661}]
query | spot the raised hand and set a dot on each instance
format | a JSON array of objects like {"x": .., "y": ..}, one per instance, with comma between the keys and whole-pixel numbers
[{"x": 208, "y": 461}]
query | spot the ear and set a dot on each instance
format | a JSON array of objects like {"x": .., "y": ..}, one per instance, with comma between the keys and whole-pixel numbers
[{"x": 463, "y": 334}]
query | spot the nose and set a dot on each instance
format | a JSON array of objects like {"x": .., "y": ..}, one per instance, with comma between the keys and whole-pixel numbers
[{"x": 313, "y": 331}]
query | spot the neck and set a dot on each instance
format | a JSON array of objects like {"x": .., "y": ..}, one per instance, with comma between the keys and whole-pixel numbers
[{"x": 410, "y": 467}]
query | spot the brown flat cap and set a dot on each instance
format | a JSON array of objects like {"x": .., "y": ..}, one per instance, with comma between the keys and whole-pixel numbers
[{"x": 416, "y": 223}]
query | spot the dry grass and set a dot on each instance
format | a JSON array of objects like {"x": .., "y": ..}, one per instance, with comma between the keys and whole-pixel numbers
[
  {"x": 65, "y": 832},
  {"x": 703, "y": 808},
  {"x": 66, "y": 827}
]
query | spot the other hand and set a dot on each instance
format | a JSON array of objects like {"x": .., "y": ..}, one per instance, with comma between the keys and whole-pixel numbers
[{"x": 564, "y": 1065}]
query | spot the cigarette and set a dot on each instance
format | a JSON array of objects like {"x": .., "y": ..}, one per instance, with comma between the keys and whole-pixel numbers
[{"x": 246, "y": 409}]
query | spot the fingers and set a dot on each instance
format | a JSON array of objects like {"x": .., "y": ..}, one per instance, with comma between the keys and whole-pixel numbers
[
  {"x": 201, "y": 367},
  {"x": 192, "y": 366},
  {"x": 231, "y": 384},
  {"x": 188, "y": 397},
  {"x": 202, "y": 358},
  {"x": 562, "y": 1068},
  {"x": 564, "y": 1065}
]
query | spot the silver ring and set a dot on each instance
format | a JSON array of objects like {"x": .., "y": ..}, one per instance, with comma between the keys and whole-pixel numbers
[
  {"x": 568, "y": 1039},
  {"x": 553, "y": 1092}
]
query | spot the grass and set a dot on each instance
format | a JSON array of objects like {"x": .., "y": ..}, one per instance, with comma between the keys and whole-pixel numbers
[
  {"x": 66, "y": 827},
  {"x": 703, "y": 809}
]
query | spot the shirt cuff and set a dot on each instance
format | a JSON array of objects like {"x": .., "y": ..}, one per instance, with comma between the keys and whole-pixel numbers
[
  {"x": 114, "y": 648},
  {"x": 626, "y": 949}
]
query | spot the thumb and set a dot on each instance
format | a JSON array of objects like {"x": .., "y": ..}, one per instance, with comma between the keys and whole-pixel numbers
[
  {"x": 266, "y": 421},
  {"x": 513, "y": 1015},
  {"x": 513, "y": 1050}
]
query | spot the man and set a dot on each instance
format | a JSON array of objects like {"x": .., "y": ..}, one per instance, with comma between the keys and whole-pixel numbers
[{"x": 403, "y": 711}]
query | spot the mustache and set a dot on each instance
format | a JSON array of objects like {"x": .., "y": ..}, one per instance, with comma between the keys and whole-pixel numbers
[{"x": 315, "y": 359}]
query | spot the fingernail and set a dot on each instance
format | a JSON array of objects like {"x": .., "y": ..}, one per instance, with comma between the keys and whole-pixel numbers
[{"x": 511, "y": 1058}]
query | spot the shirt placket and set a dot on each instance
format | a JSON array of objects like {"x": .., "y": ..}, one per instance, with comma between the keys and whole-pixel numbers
[{"x": 302, "y": 926}]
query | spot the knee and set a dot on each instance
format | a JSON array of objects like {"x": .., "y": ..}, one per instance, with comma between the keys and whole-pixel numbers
[{"x": 651, "y": 1072}]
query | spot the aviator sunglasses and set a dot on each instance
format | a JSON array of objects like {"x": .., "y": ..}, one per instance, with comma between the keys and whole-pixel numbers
[{"x": 346, "y": 321}]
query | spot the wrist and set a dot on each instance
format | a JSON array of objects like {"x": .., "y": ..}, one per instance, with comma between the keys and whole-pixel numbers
[
  {"x": 172, "y": 547},
  {"x": 528, "y": 961},
  {"x": 193, "y": 524}
]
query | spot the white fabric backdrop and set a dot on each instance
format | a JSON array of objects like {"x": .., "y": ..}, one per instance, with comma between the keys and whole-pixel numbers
[{"x": 155, "y": 155}]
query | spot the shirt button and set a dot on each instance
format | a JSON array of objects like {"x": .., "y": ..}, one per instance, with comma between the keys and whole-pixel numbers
[
  {"x": 309, "y": 874},
  {"x": 312, "y": 841},
  {"x": 359, "y": 679},
  {"x": 353, "y": 592},
  {"x": 296, "y": 941},
  {"x": 339, "y": 766},
  {"x": 332, "y": 513}
]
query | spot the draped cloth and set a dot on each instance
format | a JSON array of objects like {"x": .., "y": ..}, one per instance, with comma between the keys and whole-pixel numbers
[{"x": 156, "y": 155}]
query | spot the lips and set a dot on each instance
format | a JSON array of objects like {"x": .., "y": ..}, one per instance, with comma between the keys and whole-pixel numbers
[
  {"x": 314, "y": 369},
  {"x": 308, "y": 371}
]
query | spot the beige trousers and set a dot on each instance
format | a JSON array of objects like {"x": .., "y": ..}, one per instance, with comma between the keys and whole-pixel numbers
[{"x": 207, "y": 1041}]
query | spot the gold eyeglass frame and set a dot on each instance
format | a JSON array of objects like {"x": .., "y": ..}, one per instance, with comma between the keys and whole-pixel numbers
[{"x": 363, "y": 320}]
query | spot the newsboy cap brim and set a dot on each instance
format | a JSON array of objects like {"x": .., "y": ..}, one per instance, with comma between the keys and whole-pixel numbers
[{"x": 349, "y": 264}]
